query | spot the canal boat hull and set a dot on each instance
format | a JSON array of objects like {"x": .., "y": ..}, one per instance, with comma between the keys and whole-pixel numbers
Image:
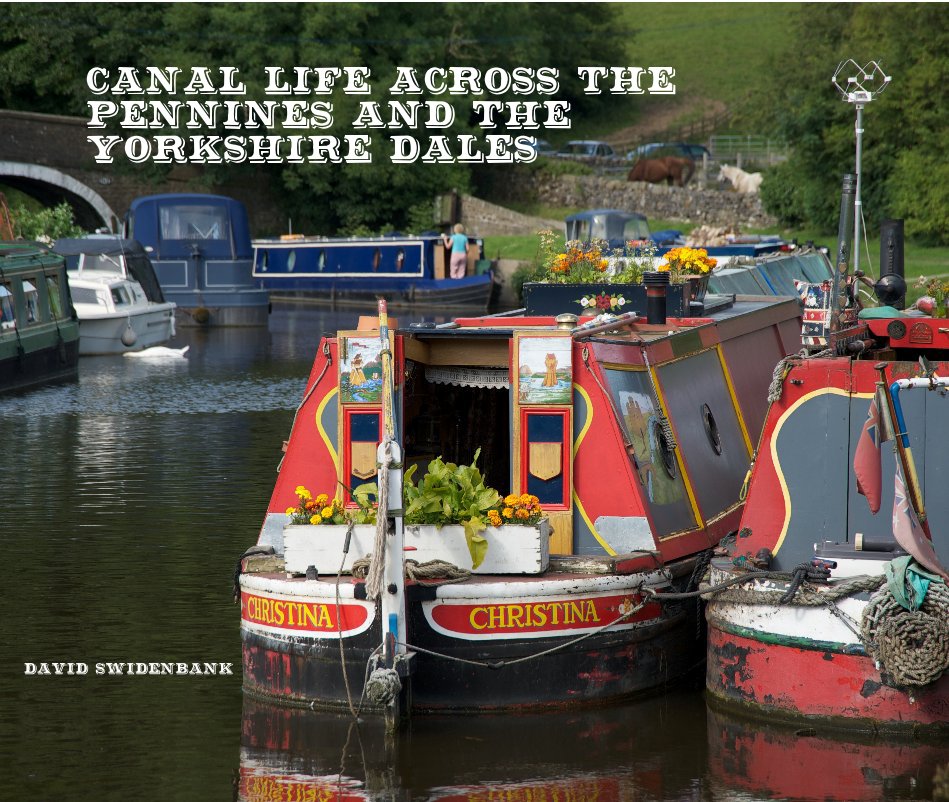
[{"x": 39, "y": 333}]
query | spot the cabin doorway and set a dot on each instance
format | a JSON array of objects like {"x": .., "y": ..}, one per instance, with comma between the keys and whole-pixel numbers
[{"x": 445, "y": 416}]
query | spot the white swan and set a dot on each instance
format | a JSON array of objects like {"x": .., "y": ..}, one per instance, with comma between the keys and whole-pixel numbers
[{"x": 160, "y": 352}]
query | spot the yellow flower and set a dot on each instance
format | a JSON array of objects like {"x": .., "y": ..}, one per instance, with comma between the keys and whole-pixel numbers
[
  {"x": 316, "y": 520},
  {"x": 522, "y": 514},
  {"x": 291, "y": 510},
  {"x": 507, "y": 512},
  {"x": 322, "y": 498},
  {"x": 511, "y": 500},
  {"x": 327, "y": 512},
  {"x": 525, "y": 498},
  {"x": 494, "y": 518},
  {"x": 303, "y": 493},
  {"x": 535, "y": 500}
]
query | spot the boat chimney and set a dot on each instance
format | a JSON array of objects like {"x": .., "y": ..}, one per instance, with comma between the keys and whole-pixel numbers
[
  {"x": 891, "y": 253},
  {"x": 656, "y": 282},
  {"x": 839, "y": 292}
]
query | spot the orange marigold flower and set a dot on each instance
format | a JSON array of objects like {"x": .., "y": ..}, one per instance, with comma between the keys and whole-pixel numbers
[
  {"x": 522, "y": 514},
  {"x": 507, "y": 512},
  {"x": 510, "y": 500}
]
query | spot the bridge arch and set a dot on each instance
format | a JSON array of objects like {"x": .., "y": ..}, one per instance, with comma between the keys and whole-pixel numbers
[{"x": 52, "y": 186}]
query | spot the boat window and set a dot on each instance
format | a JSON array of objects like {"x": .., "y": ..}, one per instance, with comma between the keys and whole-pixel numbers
[
  {"x": 120, "y": 296},
  {"x": 291, "y": 260},
  {"x": 84, "y": 295},
  {"x": 102, "y": 261},
  {"x": 194, "y": 222},
  {"x": 7, "y": 314},
  {"x": 32, "y": 302},
  {"x": 54, "y": 292},
  {"x": 635, "y": 229},
  {"x": 321, "y": 262}
]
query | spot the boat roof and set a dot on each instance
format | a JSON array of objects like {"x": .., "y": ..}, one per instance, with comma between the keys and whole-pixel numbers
[
  {"x": 589, "y": 214},
  {"x": 99, "y": 244}
]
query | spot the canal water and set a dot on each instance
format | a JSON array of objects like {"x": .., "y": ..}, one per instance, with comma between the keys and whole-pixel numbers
[{"x": 127, "y": 498}]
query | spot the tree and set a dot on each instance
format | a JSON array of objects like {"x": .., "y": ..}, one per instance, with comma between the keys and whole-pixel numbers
[{"x": 903, "y": 156}]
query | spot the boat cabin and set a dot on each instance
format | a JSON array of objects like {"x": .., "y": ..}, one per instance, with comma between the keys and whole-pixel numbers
[{"x": 634, "y": 436}]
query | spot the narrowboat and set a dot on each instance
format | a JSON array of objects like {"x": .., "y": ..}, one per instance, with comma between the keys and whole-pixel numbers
[
  {"x": 199, "y": 246},
  {"x": 618, "y": 228},
  {"x": 633, "y": 435},
  {"x": 39, "y": 332},
  {"x": 117, "y": 314},
  {"x": 836, "y": 607},
  {"x": 408, "y": 271}
]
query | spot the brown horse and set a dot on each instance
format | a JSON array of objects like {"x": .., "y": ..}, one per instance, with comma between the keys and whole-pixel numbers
[{"x": 668, "y": 169}]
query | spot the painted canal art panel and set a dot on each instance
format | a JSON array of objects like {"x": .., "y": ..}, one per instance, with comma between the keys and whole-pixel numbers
[
  {"x": 360, "y": 370},
  {"x": 544, "y": 370}
]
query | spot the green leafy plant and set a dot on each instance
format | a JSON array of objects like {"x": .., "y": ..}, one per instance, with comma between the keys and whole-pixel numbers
[
  {"x": 366, "y": 497},
  {"x": 452, "y": 494}
]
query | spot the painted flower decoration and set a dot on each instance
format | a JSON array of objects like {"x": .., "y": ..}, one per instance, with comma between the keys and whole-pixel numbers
[{"x": 602, "y": 302}]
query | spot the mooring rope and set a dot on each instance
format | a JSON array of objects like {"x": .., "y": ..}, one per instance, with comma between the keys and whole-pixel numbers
[
  {"x": 375, "y": 579},
  {"x": 910, "y": 647},
  {"x": 433, "y": 572}
]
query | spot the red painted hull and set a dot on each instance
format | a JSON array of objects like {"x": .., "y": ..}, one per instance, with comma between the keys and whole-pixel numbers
[{"x": 840, "y": 690}]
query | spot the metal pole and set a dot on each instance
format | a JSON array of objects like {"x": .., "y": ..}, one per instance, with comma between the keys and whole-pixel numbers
[{"x": 857, "y": 207}]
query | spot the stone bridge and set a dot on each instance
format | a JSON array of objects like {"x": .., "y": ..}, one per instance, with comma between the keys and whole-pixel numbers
[{"x": 47, "y": 157}]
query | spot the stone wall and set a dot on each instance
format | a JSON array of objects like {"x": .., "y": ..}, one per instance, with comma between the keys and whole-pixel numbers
[
  {"x": 485, "y": 219},
  {"x": 695, "y": 204}
]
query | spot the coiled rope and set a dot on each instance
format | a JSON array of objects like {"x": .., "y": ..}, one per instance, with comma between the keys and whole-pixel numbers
[
  {"x": 911, "y": 648},
  {"x": 433, "y": 572}
]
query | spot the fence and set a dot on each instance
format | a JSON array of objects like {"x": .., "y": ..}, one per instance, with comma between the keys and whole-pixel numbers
[{"x": 747, "y": 150}]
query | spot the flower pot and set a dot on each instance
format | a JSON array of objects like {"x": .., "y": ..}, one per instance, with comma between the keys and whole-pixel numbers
[
  {"x": 511, "y": 549},
  {"x": 697, "y": 286},
  {"x": 322, "y": 546},
  {"x": 541, "y": 298}
]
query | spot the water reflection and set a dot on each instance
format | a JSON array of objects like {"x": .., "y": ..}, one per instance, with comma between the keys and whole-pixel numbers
[
  {"x": 630, "y": 752},
  {"x": 751, "y": 760}
]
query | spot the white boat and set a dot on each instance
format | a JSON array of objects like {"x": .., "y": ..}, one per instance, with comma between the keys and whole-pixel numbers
[{"x": 116, "y": 313}]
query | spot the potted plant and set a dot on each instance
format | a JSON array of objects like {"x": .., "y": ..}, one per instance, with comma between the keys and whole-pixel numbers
[
  {"x": 690, "y": 266},
  {"x": 452, "y": 515},
  {"x": 589, "y": 279},
  {"x": 316, "y": 531}
]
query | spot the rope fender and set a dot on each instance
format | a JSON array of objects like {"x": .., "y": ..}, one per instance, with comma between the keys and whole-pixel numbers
[{"x": 911, "y": 649}]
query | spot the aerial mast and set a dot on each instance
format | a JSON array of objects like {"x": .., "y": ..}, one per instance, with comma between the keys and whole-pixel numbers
[{"x": 859, "y": 86}]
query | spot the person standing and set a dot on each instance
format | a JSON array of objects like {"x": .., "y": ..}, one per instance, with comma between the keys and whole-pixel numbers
[{"x": 458, "y": 242}]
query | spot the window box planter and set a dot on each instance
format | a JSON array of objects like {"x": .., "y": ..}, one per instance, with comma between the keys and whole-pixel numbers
[
  {"x": 595, "y": 299},
  {"x": 511, "y": 549}
]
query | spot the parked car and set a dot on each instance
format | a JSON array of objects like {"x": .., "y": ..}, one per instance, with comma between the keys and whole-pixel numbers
[
  {"x": 653, "y": 150},
  {"x": 544, "y": 148},
  {"x": 587, "y": 149}
]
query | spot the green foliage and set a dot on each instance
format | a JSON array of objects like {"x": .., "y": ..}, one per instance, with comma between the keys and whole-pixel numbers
[
  {"x": 45, "y": 224},
  {"x": 366, "y": 497},
  {"x": 904, "y": 128},
  {"x": 526, "y": 271},
  {"x": 452, "y": 494}
]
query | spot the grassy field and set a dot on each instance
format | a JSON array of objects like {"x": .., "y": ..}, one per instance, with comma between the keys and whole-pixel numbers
[{"x": 718, "y": 51}]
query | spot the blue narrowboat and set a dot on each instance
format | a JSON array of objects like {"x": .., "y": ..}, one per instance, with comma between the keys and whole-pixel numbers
[
  {"x": 405, "y": 270},
  {"x": 201, "y": 250}
]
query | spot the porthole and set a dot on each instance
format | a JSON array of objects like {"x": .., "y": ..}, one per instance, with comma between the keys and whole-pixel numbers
[
  {"x": 711, "y": 429},
  {"x": 291, "y": 260}
]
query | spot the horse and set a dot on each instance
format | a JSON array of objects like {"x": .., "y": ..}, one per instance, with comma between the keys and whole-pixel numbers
[
  {"x": 667, "y": 169},
  {"x": 747, "y": 183}
]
